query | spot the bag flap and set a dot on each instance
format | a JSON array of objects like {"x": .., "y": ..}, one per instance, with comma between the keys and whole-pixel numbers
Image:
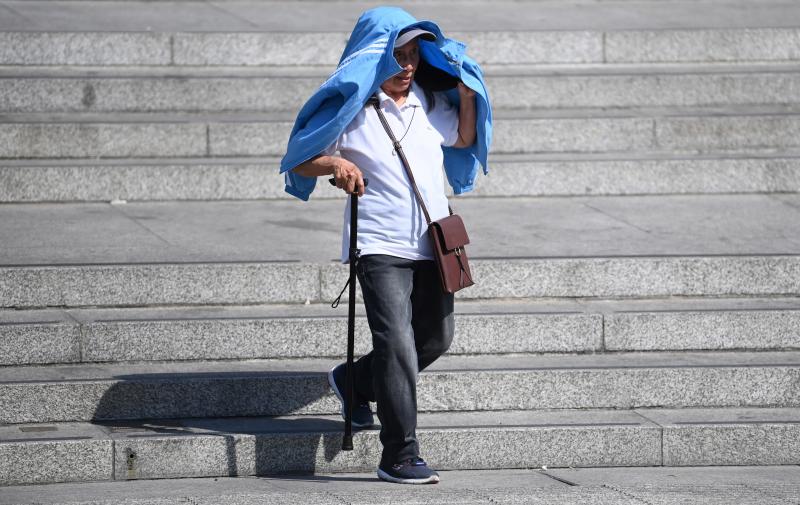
[{"x": 452, "y": 232}]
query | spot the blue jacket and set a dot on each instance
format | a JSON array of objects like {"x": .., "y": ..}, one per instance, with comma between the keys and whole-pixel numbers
[{"x": 368, "y": 60}]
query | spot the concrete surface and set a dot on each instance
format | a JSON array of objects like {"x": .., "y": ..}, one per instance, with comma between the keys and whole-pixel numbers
[
  {"x": 510, "y": 175},
  {"x": 621, "y": 97},
  {"x": 142, "y": 47},
  {"x": 209, "y": 333},
  {"x": 311, "y": 231},
  {"x": 283, "y": 16},
  {"x": 761, "y": 485},
  {"x": 599, "y": 247},
  {"x": 472, "y": 440},
  {"x": 152, "y": 284},
  {"x": 645, "y": 86},
  {"x": 659, "y": 331},
  {"x": 225, "y": 135},
  {"x": 30, "y": 394}
]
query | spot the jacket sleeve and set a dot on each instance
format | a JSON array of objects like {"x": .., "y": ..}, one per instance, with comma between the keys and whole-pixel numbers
[
  {"x": 462, "y": 164},
  {"x": 317, "y": 132},
  {"x": 299, "y": 185}
]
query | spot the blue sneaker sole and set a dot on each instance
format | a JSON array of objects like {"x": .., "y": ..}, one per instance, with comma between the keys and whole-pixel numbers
[
  {"x": 433, "y": 479},
  {"x": 339, "y": 395}
]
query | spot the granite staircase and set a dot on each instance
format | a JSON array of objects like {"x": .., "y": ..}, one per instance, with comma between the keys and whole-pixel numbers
[{"x": 636, "y": 244}]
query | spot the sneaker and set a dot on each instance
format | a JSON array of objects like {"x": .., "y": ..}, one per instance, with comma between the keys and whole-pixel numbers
[
  {"x": 410, "y": 471},
  {"x": 362, "y": 415}
]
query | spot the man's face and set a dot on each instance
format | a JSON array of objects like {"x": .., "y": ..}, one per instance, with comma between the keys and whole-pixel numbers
[{"x": 407, "y": 56}]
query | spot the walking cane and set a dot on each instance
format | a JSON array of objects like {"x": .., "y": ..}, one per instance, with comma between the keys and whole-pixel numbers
[{"x": 347, "y": 441}]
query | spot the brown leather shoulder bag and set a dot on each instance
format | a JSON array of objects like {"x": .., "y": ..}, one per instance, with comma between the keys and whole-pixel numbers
[{"x": 448, "y": 235}]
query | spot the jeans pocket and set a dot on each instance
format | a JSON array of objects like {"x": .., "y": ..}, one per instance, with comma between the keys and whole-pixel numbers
[
  {"x": 360, "y": 266},
  {"x": 367, "y": 263},
  {"x": 362, "y": 270}
]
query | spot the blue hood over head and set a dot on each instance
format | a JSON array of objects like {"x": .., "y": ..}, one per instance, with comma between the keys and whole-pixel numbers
[{"x": 367, "y": 61}]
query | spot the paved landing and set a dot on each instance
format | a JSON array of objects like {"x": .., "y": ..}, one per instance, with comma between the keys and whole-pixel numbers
[
  {"x": 609, "y": 486},
  {"x": 524, "y": 227},
  {"x": 321, "y": 16}
]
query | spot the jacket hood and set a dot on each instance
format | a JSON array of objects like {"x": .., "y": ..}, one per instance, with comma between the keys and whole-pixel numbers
[
  {"x": 376, "y": 32},
  {"x": 366, "y": 62}
]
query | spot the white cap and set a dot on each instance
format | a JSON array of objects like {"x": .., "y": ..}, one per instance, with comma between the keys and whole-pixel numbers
[{"x": 406, "y": 37}]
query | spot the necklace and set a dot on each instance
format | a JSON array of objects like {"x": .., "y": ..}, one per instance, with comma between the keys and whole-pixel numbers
[{"x": 413, "y": 113}]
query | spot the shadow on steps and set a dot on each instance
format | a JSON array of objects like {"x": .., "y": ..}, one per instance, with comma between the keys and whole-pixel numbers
[{"x": 220, "y": 424}]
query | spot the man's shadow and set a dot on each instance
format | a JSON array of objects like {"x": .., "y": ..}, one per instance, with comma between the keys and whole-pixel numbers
[{"x": 237, "y": 414}]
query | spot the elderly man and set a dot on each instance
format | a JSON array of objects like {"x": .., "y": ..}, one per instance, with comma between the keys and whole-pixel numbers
[{"x": 410, "y": 317}]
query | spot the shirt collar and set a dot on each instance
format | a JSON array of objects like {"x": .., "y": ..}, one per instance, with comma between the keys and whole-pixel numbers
[{"x": 413, "y": 95}]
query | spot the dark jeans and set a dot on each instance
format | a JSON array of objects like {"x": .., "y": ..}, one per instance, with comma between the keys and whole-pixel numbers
[{"x": 411, "y": 320}]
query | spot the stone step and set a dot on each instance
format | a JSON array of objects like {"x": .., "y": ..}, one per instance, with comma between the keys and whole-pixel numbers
[
  {"x": 321, "y": 72},
  {"x": 204, "y": 90},
  {"x": 73, "y": 452},
  {"x": 217, "y": 283},
  {"x": 312, "y": 331},
  {"x": 510, "y": 175},
  {"x": 84, "y": 392},
  {"x": 523, "y": 175},
  {"x": 523, "y": 46},
  {"x": 231, "y": 253},
  {"x": 768, "y": 130}
]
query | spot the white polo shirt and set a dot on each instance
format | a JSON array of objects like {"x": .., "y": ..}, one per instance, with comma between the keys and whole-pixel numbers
[{"x": 390, "y": 221}]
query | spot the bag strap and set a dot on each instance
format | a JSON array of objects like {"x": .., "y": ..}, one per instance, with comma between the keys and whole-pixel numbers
[{"x": 399, "y": 149}]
